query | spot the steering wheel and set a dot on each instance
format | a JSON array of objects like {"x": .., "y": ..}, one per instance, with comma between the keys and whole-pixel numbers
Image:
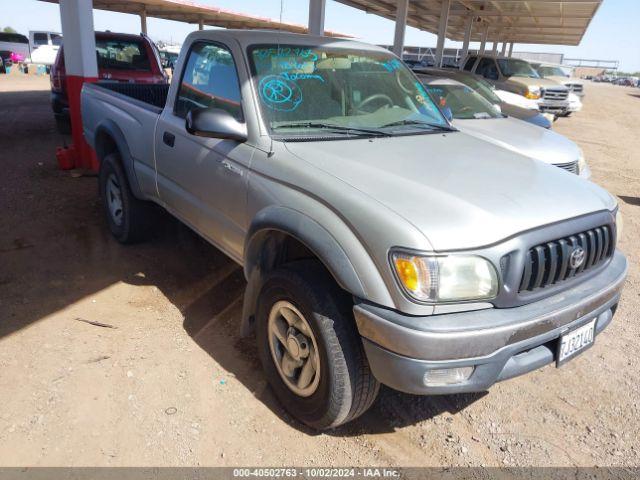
[{"x": 373, "y": 98}]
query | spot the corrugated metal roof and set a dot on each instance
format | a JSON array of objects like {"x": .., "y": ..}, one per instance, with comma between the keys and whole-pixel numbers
[
  {"x": 562, "y": 22},
  {"x": 192, "y": 12}
]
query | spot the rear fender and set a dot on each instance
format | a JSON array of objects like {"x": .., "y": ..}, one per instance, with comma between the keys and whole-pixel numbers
[{"x": 105, "y": 133}]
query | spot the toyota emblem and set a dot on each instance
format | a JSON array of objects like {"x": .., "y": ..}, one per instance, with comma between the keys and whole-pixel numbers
[{"x": 577, "y": 258}]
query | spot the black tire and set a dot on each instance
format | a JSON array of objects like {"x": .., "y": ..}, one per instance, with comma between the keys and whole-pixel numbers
[
  {"x": 346, "y": 388},
  {"x": 137, "y": 216},
  {"x": 63, "y": 125}
]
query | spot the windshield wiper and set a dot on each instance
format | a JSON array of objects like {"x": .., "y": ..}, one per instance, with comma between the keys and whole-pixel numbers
[
  {"x": 434, "y": 126},
  {"x": 336, "y": 128}
]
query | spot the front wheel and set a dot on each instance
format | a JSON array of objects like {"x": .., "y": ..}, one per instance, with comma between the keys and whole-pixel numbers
[{"x": 310, "y": 348}]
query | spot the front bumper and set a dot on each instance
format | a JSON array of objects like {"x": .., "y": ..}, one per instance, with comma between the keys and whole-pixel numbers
[
  {"x": 509, "y": 342},
  {"x": 557, "y": 107}
]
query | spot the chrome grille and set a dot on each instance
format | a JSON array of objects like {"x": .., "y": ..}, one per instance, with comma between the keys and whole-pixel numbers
[
  {"x": 550, "y": 263},
  {"x": 553, "y": 94},
  {"x": 569, "y": 167},
  {"x": 575, "y": 87}
]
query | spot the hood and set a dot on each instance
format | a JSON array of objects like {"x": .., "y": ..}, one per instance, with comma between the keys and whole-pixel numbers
[
  {"x": 564, "y": 80},
  {"x": 540, "y": 82},
  {"x": 512, "y": 110},
  {"x": 518, "y": 100},
  {"x": 459, "y": 191},
  {"x": 523, "y": 138}
]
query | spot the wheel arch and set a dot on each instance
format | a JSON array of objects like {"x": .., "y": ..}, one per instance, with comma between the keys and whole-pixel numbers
[
  {"x": 109, "y": 138},
  {"x": 279, "y": 235}
]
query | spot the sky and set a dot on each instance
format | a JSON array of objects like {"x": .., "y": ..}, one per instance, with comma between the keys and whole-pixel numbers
[{"x": 612, "y": 35}]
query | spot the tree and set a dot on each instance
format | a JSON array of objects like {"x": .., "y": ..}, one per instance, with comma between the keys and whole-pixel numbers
[{"x": 9, "y": 30}]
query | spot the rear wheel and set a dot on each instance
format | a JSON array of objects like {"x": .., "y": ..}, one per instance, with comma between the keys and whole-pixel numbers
[
  {"x": 130, "y": 219},
  {"x": 63, "y": 125},
  {"x": 310, "y": 348}
]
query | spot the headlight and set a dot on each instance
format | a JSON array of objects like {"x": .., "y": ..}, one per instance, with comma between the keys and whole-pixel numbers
[
  {"x": 582, "y": 163},
  {"x": 619, "y": 224},
  {"x": 532, "y": 93},
  {"x": 445, "y": 278}
]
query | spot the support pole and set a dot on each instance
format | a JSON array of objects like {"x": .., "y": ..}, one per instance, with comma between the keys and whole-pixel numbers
[
  {"x": 143, "y": 21},
  {"x": 494, "y": 51},
  {"x": 316, "y": 16},
  {"x": 483, "y": 41},
  {"x": 511, "y": 49},
  {"x": 401, "y": 25},
  {"x": 504, "y": 49},
  {"x": 81, "y": 66},
  {"x": 200, "y": 24},
  {"x": 468, "y": 29},
  {"x": 442, "y": 32}
]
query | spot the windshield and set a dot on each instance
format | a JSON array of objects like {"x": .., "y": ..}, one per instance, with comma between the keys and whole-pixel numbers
[
  {"x": 511, "y": 67},
  {"x": 465, "y": 104},
  {"x": 552, "y": 72},
  {"x": 303, "y": 89},
  {"x": 482, "y": 87}
]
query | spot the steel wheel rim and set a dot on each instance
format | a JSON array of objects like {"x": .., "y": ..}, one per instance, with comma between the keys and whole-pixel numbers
[
  {"x": 114, "y": 199},
  {"x": 293, "y": 349}
]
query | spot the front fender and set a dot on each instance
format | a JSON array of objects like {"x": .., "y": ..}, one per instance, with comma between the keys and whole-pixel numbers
[{"x": 350, "y": 266}]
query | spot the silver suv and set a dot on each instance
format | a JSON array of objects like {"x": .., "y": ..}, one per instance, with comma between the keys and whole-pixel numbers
[
  {"x": 379, "y": 244},
  {"x": 518, "y": 76}
]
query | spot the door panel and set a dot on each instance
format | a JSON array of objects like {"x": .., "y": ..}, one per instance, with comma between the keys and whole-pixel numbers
[{"x": 204, "y": 180}]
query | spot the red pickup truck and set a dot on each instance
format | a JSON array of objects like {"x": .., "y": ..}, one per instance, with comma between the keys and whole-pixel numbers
[{"x": 121, "y": 58}]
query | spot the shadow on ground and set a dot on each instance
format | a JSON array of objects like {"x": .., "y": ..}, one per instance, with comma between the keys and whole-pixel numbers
[{"x": 630, "y": 200}]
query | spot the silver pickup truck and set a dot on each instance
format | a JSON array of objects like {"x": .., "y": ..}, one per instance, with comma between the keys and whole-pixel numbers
[{"x": 379, "y": 244}]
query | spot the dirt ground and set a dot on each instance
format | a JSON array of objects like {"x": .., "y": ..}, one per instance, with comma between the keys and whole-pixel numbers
[{"x": 173, "y": 385}]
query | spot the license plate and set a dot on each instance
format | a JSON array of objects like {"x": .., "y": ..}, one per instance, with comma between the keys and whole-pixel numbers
[{"x": 576, "y": 341}]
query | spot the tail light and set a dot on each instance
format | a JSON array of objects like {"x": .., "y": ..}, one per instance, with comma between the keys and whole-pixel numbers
[{"x": 56, "y": 81}]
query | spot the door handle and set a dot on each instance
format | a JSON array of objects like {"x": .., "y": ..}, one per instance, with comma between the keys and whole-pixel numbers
[
  {"x": 231, "y": 167},
  {"x": 169, "y": 139}
]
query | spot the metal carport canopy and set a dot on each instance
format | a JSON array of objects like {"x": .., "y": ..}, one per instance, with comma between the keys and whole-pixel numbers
[
  {"x": 199, "y": 14},
  {"x": 560, "y": 22}
]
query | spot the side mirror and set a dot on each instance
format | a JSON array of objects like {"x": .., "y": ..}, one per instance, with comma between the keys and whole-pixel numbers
[
  {"x": 448, "y": 114},
  {"x": 215, "y": 123}
]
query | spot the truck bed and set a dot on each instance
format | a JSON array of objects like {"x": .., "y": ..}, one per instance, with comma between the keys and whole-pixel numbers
[
  {"x": 153, "y": 94},
  {"x": 129, "y": 111}
]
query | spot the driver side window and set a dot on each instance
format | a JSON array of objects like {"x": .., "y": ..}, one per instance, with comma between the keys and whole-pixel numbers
[
  {"x": 210, "y": 80},
  {"x": 488, "y": 69},
  {"x": 470, "y": 63}
]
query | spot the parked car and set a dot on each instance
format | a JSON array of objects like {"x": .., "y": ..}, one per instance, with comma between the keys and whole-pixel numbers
[
  {"x": 14, "y": 43},
  {"x": 121, "y": 58},
  {"x": 475, "y": 116},
  {"x": 575, "y": 104},
  {"x": 559, "y": 74},
  {"x": 488, "y": 92},
  {"x": 169, "y": 57},
  {"x": 379, "y": 243},
  {"x": 518, "y": 76},
  {"x": 44, "y": 47}
]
